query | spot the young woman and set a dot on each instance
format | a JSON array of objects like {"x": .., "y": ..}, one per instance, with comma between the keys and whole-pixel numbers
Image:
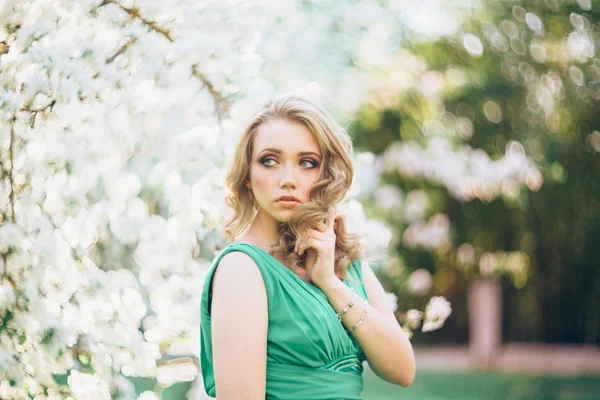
[{"x": 289, "y": 310}]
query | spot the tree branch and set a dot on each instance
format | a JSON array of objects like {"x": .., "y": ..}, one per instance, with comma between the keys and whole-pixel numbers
[
  {"x": 221, "y": 103},
  {"x": 134, "y": 12},
  {"x": 10, "y": 212},
  {"x": 121, "y": 50},
  {"x": 11, "y": 197},
  {"x": 34, "y": 112}
]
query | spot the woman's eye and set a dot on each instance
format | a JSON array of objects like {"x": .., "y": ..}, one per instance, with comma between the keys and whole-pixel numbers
[
  {"x": 309, "y": 163},
  {"x": 267, "y": 162}
]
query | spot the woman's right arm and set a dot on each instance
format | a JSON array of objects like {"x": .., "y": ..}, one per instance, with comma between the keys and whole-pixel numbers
[{"x": 239, "y": 321}]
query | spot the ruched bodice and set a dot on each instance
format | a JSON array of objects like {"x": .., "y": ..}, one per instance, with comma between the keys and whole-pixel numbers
[{"x": 309, "y": 354}]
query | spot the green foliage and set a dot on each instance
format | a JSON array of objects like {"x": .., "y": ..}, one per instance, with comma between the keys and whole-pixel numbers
[{"x": 558, "y": 226}]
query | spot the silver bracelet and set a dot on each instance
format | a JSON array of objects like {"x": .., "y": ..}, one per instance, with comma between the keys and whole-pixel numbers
[
  {"x": 360, "y": 321},
  {"x": 350, "y": 304}
]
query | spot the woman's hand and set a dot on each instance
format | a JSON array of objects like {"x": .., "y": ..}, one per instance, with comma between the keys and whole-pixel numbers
[{"x": 320, "y": 252}]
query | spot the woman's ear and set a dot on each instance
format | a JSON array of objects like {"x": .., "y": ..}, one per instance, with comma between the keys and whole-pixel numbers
[{"x": 248, "y": 185}]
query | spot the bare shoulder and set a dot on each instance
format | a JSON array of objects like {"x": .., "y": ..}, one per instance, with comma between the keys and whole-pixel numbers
[
  {"x": 238, "y": 262},
  {"x": 238, "y": 273}
]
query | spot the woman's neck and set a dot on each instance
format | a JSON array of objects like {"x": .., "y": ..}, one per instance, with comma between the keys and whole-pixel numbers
[{"x": 262, "y": 231}]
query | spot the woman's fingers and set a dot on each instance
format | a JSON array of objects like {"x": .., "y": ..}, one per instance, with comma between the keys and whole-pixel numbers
[
  {"x": 321, "y": 226},
  {"x": 328, "y": 223},
  {"x": 304, "y": 245},
  {"x": 322, "y": 234},
  {"x": 339, "y": 221},
  {"x": 298, "y": 246},
  {"x": 313, "y": 243}
]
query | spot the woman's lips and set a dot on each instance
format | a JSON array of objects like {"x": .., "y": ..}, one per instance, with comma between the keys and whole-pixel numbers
[{"x": 287, "y": 203}]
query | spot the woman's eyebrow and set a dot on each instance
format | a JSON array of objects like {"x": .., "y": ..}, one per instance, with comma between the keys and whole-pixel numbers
[{"x": 277, "y": 151}]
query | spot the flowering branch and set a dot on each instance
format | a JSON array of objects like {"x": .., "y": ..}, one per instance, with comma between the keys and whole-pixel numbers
[
  {"x": 221, "y": 104},
  {"x": 135, "y": 13},
  {"x": 121, "y": 50},
  {"x": 10, "y": 212}
]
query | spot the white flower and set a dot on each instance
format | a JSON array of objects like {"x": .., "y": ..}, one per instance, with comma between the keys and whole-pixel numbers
[
  {"x": 389, "y": 197},
  {"x": 413, "y": 318},
  {"x": 10, "y": 236},
  {"x": 440, "y": 161},
  {"x": 420, "y": 282},
  {"x": 147, "y": 395},
  {"x": 437, "y": 311},
  {"x": 7, "y": 295},
  {"x": 86, "y": 386},
  {"x": 416, "y": 205},
  {"x": 392, "y": 301}
]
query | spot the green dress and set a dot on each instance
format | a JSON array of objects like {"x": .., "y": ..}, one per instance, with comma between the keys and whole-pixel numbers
[{"x": 309, "y": 354}]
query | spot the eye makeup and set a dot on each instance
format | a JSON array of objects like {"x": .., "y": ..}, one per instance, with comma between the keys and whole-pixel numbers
[
  {"x": 312, "y": 162},
  {"x": 266, "y": 160}
]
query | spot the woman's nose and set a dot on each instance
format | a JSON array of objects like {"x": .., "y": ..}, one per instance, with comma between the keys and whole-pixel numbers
[{"x": 287, "y": 177}]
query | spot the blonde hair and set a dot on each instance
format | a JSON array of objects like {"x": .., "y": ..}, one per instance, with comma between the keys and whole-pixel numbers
[{"x": 336, "y": 177}]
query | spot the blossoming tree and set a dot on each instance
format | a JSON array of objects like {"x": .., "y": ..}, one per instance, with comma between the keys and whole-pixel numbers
[{"x": 115, "y": 121}]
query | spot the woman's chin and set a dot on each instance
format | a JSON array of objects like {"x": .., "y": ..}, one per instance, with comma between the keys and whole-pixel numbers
[{"x": 285, "y": 216}]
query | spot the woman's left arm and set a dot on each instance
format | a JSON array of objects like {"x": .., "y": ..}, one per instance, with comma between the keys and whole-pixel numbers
[
  {"x": 383, "y": 341},
  {"x": 385, "y": 344}
]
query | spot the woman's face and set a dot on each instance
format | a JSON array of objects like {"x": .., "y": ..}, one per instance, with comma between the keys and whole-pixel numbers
[{"x": 286, "y": 161}]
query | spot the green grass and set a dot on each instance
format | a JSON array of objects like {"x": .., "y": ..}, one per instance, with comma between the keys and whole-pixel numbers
[{"x": 436, "y": 385}]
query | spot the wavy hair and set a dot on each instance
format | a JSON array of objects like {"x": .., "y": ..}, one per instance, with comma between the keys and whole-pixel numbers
[{"x": 335, "y": 180}]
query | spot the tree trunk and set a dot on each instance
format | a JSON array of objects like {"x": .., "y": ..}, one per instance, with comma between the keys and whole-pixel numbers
[{"x": 485, "y": 322}]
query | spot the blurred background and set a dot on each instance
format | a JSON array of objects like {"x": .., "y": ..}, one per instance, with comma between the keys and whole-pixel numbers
[{"x": 477, "y": 152}]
